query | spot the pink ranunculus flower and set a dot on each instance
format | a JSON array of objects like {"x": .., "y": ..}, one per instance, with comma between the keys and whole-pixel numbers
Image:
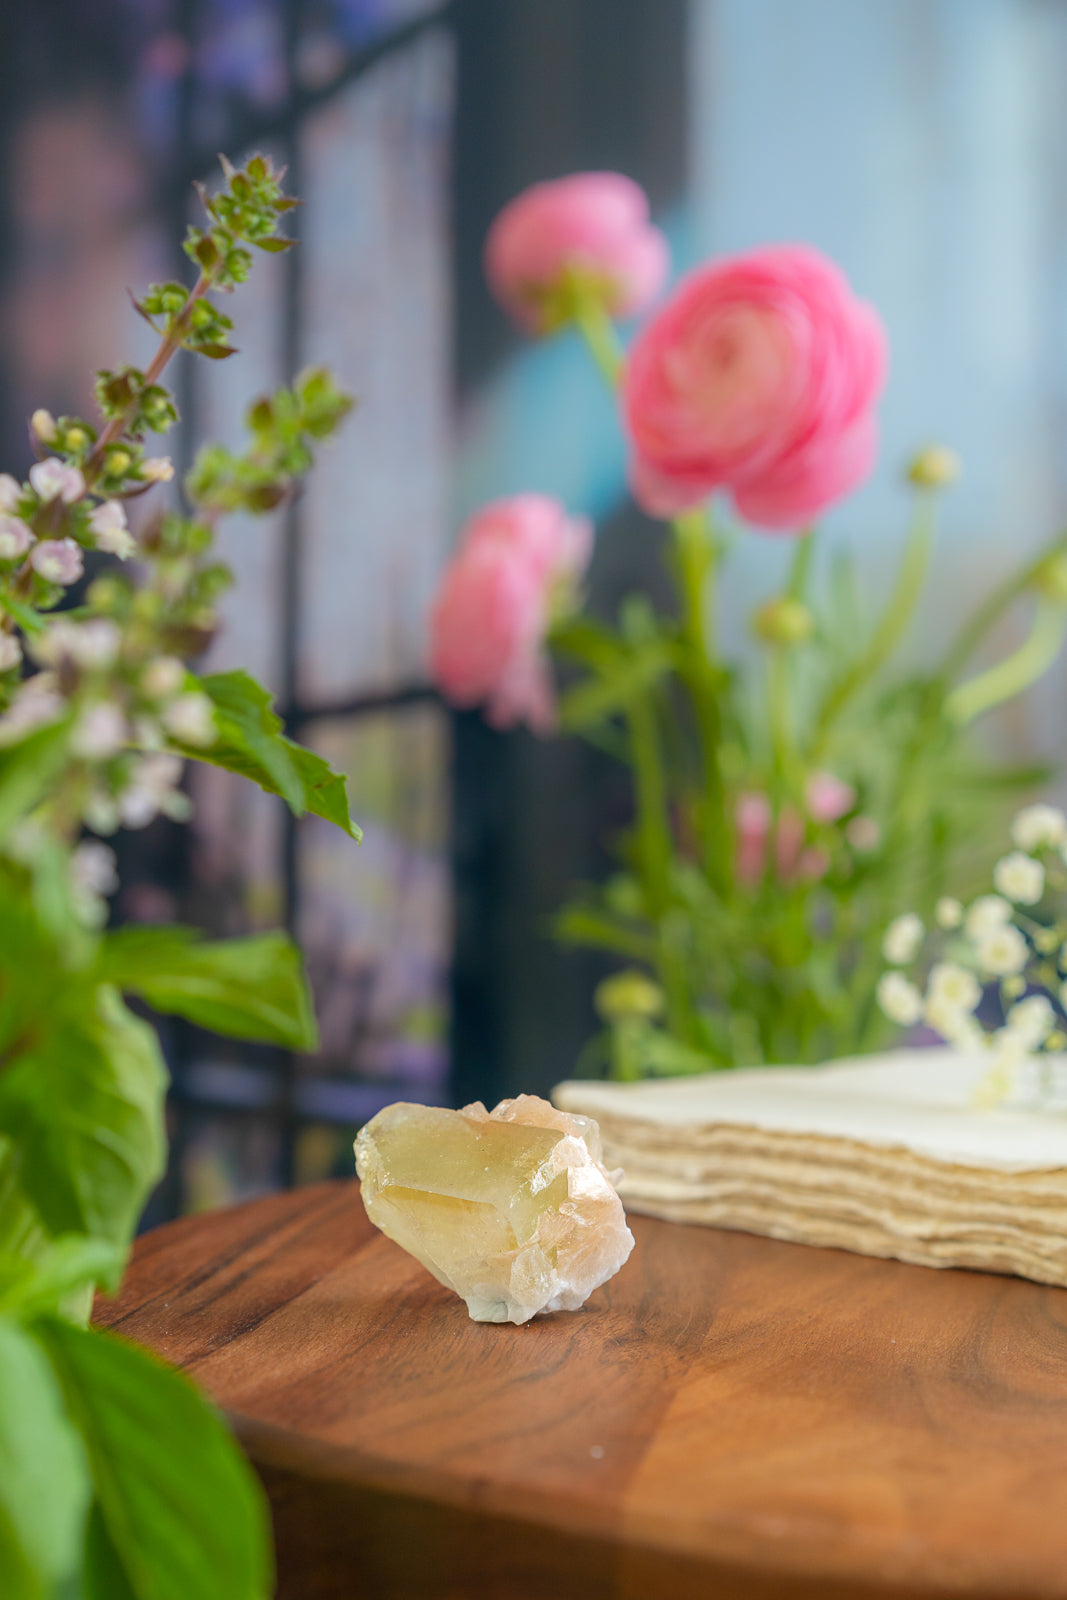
[
  {"x": 592, "y": 224},
  {"x": 518, "y": 561},
  {"x": 759, "y": 376}
]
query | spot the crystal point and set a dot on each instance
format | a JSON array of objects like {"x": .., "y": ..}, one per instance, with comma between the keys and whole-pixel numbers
[{"x": 511, "y": 1208}]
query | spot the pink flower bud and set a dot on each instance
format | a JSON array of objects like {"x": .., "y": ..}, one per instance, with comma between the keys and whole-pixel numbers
[
  {"x": 517, "y": 559},
  {"x": 58, "y": 560},
  {"x": 828, "y": 797},
  {"x": 15, "y": 538},
  {"x": 157, "y": 469},
  {"x": 10, "y": 492},
  {"x": 593, "y": 226},
  {"x": 758, "y": 376},
  {"x": 52, "y": 480}
]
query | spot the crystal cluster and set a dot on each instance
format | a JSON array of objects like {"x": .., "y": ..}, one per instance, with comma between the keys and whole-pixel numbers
[{"x": 512, "y": 1209}]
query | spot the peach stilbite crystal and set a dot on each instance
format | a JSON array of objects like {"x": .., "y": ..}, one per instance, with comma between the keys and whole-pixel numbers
[{"x": 512, "y": 1209}]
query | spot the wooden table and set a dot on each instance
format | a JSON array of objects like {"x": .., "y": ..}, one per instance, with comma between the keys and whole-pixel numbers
[{"x": 730, "y": 1417}]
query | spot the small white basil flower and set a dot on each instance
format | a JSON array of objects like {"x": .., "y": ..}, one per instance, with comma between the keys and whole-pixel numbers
[
  {"x": 94, "y": 867},
  {"x": 1037, "y": 826},
  {"x": 157, "y": 469},
  {"x": 154, "y": 789},
  {"x": 10, "y": 652},
  {"x": 15, "y": 538},
  {"x": 899, "y": 999},
  {"x": 91, "y": 645},
  {"x": 1001, "y": 950},
  {"x": 107, "y": 523},
  {"x": 948, "y": 912},
  {"x": 902, "y": 939},
  {"x": 163, "y": 677},
  {"x": 190, "y": 719},
  {"x": 54, "y": 480},
  {"x": 988, "y": 911},
  {"x": 10, "y": 492},
  {"x": 1020, "y": 878},
  {"x": 58, "y": 560},
  {"x": 35, "y": 702},
  {"x": 99, "y": 733}
]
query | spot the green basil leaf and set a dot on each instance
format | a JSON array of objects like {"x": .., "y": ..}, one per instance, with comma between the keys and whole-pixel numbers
[
  {"x": 27, "y": 770},
  {"x": 83, "y": 1103},
  {"x": 251, "y": 742},
  {"x": 44, "y": 1476},
  {"x": 66, "y": 1265},
  {"x": 250, "y": 988},
  {"x": 181, "y": 1510}
]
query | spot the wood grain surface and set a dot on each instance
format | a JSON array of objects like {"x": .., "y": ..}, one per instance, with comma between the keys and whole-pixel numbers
[{"x": 730, "y": 1417}]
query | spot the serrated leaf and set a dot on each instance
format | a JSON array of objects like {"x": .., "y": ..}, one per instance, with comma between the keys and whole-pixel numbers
[
  {"x": 83, "y": 1103},
  {"x": 249, "y": 988},
  {"x": 250, "y": 742},
  {"x": 182, "y": 1511},
  {"x": 44, "y": 1476}
]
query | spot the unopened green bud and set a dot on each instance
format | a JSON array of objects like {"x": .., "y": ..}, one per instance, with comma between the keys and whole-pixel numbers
[
  {"x": 628, "y": 994},
  {"x": 118, "y": 462},
  {"x": 43, "y": 424},
  {"x": 935, "y": 467},
  {"x": 783, "y": 621},
  {"x": 76, "y": 439},
  {"x": 1051, "y": 577}
]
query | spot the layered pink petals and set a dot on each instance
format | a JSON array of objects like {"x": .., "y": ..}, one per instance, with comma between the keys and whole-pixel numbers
[
  {"x": 759, "y": 376},
  {"x": 517, "y": 560},
  {"x": 594, "y": 224}
]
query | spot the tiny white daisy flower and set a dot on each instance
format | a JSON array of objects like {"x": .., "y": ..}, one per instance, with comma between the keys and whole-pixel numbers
[
  {"x": 902, "y": 939},
  {"x": 1020, "y": 878},
  {"x": 988, "y": 911},
  {"x": 1001, "y": 950},
  {"x": 955, "y": 985},
  {"x": 1037, "y": 826},
  {"x": 899, "y": 999},
  {"x": 1032, "y": 1020}
]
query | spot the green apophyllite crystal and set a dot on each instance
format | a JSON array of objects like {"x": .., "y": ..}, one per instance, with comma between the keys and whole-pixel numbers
[{"x": 510, "y": 1208}]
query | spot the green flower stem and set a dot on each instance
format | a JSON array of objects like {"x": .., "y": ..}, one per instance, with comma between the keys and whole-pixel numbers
[
  {"x": 695, "y": 559},
  {"x": 975, "y": 629},
  {"x": 167, "y": 348},
  {"x": 655, "y": 851},
  {"x": 1017, "y": 671},
  {"x": 600, "y": 335},
  {"x": 891, "y": 628},
  {"x": 783, "y": 743}
]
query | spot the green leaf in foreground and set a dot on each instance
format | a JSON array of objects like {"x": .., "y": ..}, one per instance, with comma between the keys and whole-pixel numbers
[
  {"x": 44, "y": 1479},
  {"x": 180, "y": 1512},
  {"x": 250, "y": 988},
  {"x": 251, "y": 742},
  {"x": 84, "y": 1104}
]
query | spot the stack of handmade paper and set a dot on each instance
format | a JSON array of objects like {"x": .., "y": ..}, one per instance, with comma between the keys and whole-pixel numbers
[{"x": 884, "y": 1155}]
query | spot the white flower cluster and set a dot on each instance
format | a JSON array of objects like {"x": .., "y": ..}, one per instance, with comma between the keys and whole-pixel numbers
[{"x": 998, "y": 942}]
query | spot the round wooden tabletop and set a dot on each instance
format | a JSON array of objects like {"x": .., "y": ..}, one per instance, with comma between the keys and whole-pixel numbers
[{"x": 729, "y": 1417}]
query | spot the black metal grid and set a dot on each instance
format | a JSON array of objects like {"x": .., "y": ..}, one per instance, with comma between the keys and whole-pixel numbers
[{"x": 267, "y": 1082}]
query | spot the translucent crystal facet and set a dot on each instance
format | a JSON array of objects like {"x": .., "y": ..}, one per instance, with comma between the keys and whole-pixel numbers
[{"x": 511, "y": 1208}]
